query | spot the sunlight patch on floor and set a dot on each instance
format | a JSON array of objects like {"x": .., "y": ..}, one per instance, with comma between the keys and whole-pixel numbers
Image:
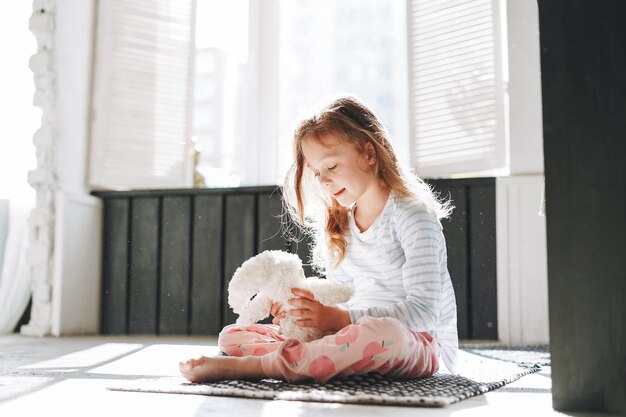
[
  {"x": 87, "y": 357},
  {"x": 12, "y": 386},
  {"x": 296, "y": 408},
  {"x": 90, "y": 397},
  {"x": 155, "y": 360},
  {"x": 499, "y": 403}
]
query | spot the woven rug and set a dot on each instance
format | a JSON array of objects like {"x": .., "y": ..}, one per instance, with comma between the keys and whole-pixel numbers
[
  {"x": 525, "y": 355},
  {"x": 481, "y": 369}
]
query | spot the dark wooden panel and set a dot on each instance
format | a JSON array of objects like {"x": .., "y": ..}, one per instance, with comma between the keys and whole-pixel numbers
[
  {"x": 175, "y": 251},
  {"x": 483, "y": 269},
  {"x": 144, "y": 273},
  {"x": 269, "y": 221},
  {"x": 206, "y": 273},
  {"x": 230, "y": 226},
  {"x": 115, "y": 266},
  {"x": 239, "y": 244},
  {"x": 455, "y": 231},
  {"x": 583, "y": 71}
]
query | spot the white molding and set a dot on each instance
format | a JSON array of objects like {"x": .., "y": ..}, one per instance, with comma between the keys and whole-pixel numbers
[
  {"x": 41, "y": 222},
  {"x": 522, "y": 270}
]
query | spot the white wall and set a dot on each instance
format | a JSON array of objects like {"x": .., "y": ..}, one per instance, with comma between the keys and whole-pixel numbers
[
  {"x": 524, "y": 87},
  {"x": 521, "y": 234},
  {"x": 77, "y": 266},
  {"x": 74, "y": 28}
]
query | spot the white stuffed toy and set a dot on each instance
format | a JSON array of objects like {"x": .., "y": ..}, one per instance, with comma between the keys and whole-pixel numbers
[{"x": 269, "y": 277}]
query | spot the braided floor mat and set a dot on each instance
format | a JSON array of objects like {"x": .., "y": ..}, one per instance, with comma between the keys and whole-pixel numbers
[{"x": 481, "y": 369}]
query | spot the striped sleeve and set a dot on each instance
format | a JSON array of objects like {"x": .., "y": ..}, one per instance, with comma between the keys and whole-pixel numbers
[{"x": 420, "y": 235}]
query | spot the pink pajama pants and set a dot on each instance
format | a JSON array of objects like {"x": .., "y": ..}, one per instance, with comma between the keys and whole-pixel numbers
[{"x": 382, "y": 345}]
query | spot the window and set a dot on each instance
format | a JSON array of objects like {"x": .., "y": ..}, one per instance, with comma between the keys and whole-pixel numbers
[
  {"x": 257, "y": 67},
  {"x": 349, "y": 46},
  {"x": 142, "y": 95},
  {"x": 284, "y": 60},
  {"x": 457, "y": 81}
]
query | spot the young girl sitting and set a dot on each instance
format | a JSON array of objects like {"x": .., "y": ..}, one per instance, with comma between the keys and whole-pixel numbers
[{"x": 378, "y": 231}]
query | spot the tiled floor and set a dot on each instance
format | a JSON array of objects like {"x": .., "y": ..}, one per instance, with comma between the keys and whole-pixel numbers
[{"x": 70, "y": 376}]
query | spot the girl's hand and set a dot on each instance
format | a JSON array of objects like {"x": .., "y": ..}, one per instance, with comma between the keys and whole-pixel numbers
[
  {"x": 277, "y": 313},
  {"x": 312, "y": 313}
]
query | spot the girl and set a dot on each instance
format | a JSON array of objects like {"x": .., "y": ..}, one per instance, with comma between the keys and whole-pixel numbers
[{"x": 378, "y": 231}]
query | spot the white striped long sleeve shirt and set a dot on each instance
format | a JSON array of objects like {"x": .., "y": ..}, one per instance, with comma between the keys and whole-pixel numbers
[{"x": 398, "y": 268}]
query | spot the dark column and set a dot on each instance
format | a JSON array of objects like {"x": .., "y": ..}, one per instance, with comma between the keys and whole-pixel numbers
[{"x": 583, "y": 65}]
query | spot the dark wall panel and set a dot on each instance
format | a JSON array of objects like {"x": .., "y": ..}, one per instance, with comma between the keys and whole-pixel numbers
[
  {"x": 183, "y": 246},
  {"x": 175, "y": 251},
  {"x": 455, "y": 231},
  {"x": 115, "y": 266},
  {"x": 144, "y": 273},
  {"x": 483, "y": 268},
  {"x": 206, "y": 275},
  {"x": 471, "y": 243},
  {"x": 239, "y": 243}
]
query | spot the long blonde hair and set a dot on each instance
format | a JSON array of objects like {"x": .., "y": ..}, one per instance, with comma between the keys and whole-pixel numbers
[{"x": 349, "y": 119}]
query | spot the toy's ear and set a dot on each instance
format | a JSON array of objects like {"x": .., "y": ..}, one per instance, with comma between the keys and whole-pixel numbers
[
  {"x": 238, "y": 298},
  {"x": 259, "y": 307},
  {"x": 242, "y": 288}
]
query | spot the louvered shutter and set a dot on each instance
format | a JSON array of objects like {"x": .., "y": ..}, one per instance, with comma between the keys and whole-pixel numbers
[
  {"x": 456, "y": 89},
  {"x": 142, "y": 104}
]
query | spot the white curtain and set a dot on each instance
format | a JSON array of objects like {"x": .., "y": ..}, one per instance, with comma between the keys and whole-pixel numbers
[
  {"x": 15, "y": 278},
  {"x": 20, "y": 120}
]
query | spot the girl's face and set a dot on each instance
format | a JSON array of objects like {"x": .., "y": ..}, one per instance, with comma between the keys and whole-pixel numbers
[{"x": 343, "y": 170}]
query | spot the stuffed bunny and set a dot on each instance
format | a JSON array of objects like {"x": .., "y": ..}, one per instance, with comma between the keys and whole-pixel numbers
[{"x": 269, "y": 277}]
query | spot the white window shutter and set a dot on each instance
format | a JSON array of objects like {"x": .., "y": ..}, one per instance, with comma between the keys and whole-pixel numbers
[
  {"x": 456, "y": 87},
  {"x": 142, "y": 103}
]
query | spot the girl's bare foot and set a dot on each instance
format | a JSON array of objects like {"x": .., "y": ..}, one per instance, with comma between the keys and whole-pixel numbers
[{"x": 217, "y": 368}]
